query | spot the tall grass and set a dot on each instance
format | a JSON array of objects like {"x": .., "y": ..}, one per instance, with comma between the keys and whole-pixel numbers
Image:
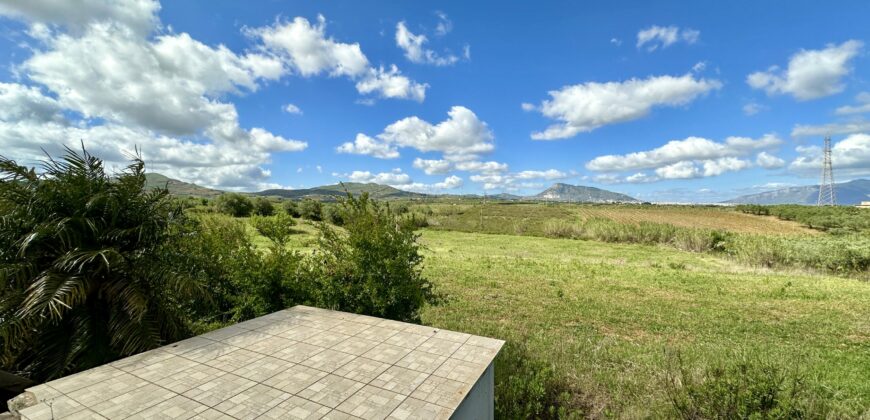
[{"x": 841, "y": 254}]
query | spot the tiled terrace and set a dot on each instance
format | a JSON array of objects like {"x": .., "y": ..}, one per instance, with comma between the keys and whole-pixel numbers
[{"x": 300, "y": 363}]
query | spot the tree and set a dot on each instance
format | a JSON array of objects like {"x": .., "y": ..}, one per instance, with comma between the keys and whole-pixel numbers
[
  {"x": 291, "y": 208},
  {"x": 83, "y": 266},
  {"x": 234, "y": 204},
  {"x": 263, "y": 207},
  {"x": 372, "y": 266},
  {"x": 311, "y": 210}
]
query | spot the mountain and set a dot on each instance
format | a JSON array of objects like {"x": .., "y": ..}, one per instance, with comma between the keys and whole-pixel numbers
[
  {"x": 332, "y": 192},
  {"x": 179, "y": 188},
  {"x": 579, "y": 193},
  {"x": 847, "y": 193}
]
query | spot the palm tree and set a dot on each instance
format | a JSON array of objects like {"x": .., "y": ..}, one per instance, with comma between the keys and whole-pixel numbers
[{"x": 84, "y": 266}]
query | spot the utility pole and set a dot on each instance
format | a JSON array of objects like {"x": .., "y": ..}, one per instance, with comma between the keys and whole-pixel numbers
[{"x": 826, "y": 186}]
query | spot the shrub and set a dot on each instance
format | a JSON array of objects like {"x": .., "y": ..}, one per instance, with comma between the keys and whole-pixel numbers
[
  {"x": 277, "y": 228},
  {"x": 263, "y": 207},
  {"x": 744, "y": 387},
  {"x": 291, "y": 208},
  {"x": 311, "y": 210},
  {"x": 235, "y": 205},
  {"x": 84, "y": 265},
  {"x": 333, "y": 214},
  {"x": 372, "y": 266}
]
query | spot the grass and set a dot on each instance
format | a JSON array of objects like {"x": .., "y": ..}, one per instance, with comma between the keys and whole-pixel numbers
[{"x": 606, "y": 316}]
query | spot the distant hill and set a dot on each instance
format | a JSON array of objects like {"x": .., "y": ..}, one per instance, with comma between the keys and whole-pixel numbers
[
  {"x": 848, "y": 193},
  {"x": 581, "y": 194},
  {"x": 332, "y": 192},
  {"x": 179, "y": 188}
]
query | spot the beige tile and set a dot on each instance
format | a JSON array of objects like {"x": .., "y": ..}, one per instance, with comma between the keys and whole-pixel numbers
[
  {"x": 252, "y": 402},
  {"x": 126, "y": 404},
  {"x": 414, "y": 409},
  {"x": 107, "y": 389},
  {"x": 296, "y": 408},
  {"x": 279, "y": 326},
  {"x": 52, "y": 408},
  {"x": 300, "y": 332},
  {"x": 224, "y": 333},
  {"x": 362, "y": 369},
  {"x": 460, "y": 370},
  {"x": 407, "y": 340},
  {"x": 420, "y": 329},
  {"x": 218, "y": 389},
  {"x": 379, "y": 334},
  {"x": 400, "y": 380},
  {"x": 339, "y": 415},
  {"x": 142, "y": 359},
  {"x": 253, "y": 324},
  {"x": 235, "y": 360},
  {"x": 326, "y": 339},
  {"x": 350, "y": 327},
  {"x": 442, "y": 391},
  {"x": 190, "y": 378},
  {"x": 387, "y": 353},
  {"x": 371, "y": 403},
  {"x": 80, "y": 380},
  {"x": 246, "y": 338},
  {"x": 211, "y": 414},
  {"x": 439, "y": 346},
  {"x": 186, "y": 345},
  {"x": 295, "y": 378},
  {"x": 176, "y": 408},
  {"x": 157, "y": 371},
  {"x": 355, "y": 345},
  {"x": 44, "y": 392},
  {"x": 392, "y": 324},
  {"x": 474, "y": 354},
  {"x": 209, "y": 352},
  {"x": 297, "y": 352},
  {"x": 262, "y": 368},
  {"x": 485, "y": 342},
  {"x": 454, "y": 336},
  {"x": 331, "y": 390},
  {"x": 421, "y": 361},
  {"x": 328, "y": 360}
]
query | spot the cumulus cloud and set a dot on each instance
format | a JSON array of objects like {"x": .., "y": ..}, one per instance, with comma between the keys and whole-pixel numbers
[
  {"x": 292, "y": 109},
  {"x": 665, "y": 36},
  {"x": 677, "y": 151},
  {"x": 862, "y": 107},
  {"x": 307, "y": 50},
  {"x": 516, "y": 181},
  {"x": 811, "y": 74},
  {"x": 443, "y": 166},
  {"x": 105, "y": 81},
  {"x": 844, "y": 127},
  {"x": 753, "y": 108},
  {"x": 416, "y": 52},
  {"x": 433, "y": 166},
  {"x": 587, "y": 106},
  {"x": 398, "y": 179},
  {"x": 460, "y": 136},
  {"x": 769, "y": 161},
  {"x": 138, "y": 15},
  {"x": 450, "y": 183},
  {"x": 849, "y": 156}
]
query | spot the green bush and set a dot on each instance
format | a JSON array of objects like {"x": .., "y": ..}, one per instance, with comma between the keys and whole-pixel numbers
[
  {"x": 526, "y": 388},
  {"x": 263, "y": 207},
  {"x": 234, "y": 204},
  {"x": 333, "y": 214},
  {"x": 85, "y": 267},
  {"x": 277, "y": 228},
  {"x": 372, "y": 266},
  {"x": 745, "y": 387},
  {"x": 311, "y": 210},
  {"x": 291, "y": 208}
]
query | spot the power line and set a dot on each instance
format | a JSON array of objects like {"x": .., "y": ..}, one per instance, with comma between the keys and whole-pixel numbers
[{"x": 826, "y": 186}]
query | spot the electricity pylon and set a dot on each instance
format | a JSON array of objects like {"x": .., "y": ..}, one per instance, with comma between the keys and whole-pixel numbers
[{"x": 826, "y": 186}]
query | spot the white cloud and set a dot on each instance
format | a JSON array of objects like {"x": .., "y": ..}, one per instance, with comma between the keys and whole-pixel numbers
[
  {"x": 753, "y": 108},
  {"x": 846, "y": 127},
  {"x": 863, "y": 106},
  {"x": 413, "y": 46},
  {"x": 292, "y": 109},
  {"x": 849, "y": 157},
  {"x": 665, "y": 36},
  {"x": 811, "y": 74},
  {"x": 587, "y": 106},
  {"x": 442, "y": 166},
  {"x": 462, "y": 135},
  {"x": 515, "y": 181},
  {"x": 308, "y": 51},
  {"x": 23, "y": 103},
  {"x": 679, "y": 151},
  {"x": 365, "y": 145},
  {"x": 527, "y": 106},
  {"x": 139, "y": 15},
  {"x": 395, "y": 177},
  {"x": 445, "y": 25},
  {"x": 433, "y": 166},
  {"x": 450, "y": 183},
  {"x": 769, "y": 161},
  {"x": 616, "y": 41}
]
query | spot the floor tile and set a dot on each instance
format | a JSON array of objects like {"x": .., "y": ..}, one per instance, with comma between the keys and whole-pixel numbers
[
  {"x": 400, "y": 380},
  {"x": 362, "y": 369},
  {"x": 331, "y": 390},
  {"x": 295, "y": 378},
  {"x": 371, "y": 403},
  {"x": 252, "y": 402}
]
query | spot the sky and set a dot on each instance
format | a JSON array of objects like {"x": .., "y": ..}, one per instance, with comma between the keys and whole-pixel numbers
[{"x": 674, "y": 101}]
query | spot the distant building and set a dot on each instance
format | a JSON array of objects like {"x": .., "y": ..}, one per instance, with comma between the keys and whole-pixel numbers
[{"x": 864, "y": 205}]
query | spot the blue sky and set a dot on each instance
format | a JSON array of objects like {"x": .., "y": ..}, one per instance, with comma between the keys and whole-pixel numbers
[{"x": 677, "y": 101}]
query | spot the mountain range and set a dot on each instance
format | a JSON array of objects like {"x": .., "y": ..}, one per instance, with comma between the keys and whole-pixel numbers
[{"x": 847, "y": 193}]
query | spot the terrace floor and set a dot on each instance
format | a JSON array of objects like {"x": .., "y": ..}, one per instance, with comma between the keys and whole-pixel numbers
[{"x": 300, "y": 363}]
